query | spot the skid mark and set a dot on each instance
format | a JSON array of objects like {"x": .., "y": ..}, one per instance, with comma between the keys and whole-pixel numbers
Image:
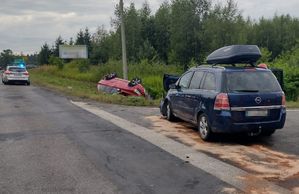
[{"x": 262, "y": 161}]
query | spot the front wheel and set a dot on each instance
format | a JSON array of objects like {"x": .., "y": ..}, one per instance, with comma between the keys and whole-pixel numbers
[
  {"x": 204, "y": 128},
  {"x": 169, "y": 114}
]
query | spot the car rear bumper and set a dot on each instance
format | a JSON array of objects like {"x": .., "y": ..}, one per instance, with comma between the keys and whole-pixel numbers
[
  {"x": 18, "y": 79},
  {"x": 223, "y": 123}
]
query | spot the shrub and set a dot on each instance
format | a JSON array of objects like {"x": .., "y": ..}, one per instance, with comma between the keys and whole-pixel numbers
[
  {"x": 83, "y": 65},
  {"x": 289, "y": 62},
  {"x": 56, "y": 61}
]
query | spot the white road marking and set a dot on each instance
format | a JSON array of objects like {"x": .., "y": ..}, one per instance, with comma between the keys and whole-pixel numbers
[{"x": 223, "y": 171}]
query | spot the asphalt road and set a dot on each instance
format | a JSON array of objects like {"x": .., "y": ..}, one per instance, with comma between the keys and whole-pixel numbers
[
  {"x": 48, "y": 145},
  {"x": 283, "y": 140}
]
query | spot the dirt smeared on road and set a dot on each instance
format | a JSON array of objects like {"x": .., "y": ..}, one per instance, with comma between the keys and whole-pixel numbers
[
  {"x": 296, "y": 190},
  {"x": 261, "y": 161},
  {"x": 229, "y": 191}
]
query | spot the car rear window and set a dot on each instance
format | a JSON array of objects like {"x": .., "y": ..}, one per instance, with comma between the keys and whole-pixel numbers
[
  {"x": 251, "y": 81},
  {"x": 16, "y": 69}
]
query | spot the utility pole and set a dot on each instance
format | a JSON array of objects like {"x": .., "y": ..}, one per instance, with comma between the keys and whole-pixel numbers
[{"x": 123, "y": 40}]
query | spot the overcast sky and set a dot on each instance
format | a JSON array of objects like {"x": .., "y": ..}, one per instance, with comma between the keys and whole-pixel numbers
[{"x": 26, "y": 24}]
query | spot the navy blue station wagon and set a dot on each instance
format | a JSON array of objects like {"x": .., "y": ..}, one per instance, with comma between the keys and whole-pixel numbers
[{"x": 230, "y": 98}]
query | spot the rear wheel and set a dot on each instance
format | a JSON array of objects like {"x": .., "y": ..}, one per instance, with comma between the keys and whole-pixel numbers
[
  {"x": 169, "y": 114},
  {"x": 204, "y": 128}
]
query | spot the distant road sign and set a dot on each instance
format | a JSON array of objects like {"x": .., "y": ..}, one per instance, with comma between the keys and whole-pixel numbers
[{"x": 73, "y": 51}]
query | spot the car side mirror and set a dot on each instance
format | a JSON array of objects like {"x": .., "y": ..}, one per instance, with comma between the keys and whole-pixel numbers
[{"x": 172, "y": 86}]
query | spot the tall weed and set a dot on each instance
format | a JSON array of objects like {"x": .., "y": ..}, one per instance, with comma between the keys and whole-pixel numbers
[{"x": 151, "y": 74}]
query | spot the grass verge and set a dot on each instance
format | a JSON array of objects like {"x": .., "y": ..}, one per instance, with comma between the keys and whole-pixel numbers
[
  {"x": 84, "y": 89},
  {"x": 292, "y": 104}
]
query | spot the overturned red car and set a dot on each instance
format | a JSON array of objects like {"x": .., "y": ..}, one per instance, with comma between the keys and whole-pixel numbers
[{"x": 113, "y": 85}]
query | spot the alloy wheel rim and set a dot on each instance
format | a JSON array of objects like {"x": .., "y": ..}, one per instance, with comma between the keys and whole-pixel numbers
[
  {"x": 203, "y": 126},
  {"x": 168, "y": 111}
]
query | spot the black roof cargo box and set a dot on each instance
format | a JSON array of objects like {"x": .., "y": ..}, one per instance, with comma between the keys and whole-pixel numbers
[{"x": 235, "y": 54}]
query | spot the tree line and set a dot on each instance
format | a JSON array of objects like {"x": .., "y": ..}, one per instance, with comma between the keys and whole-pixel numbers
[
  {"x": 7, "y": 57},
  {"x": 183, "y": 32}
]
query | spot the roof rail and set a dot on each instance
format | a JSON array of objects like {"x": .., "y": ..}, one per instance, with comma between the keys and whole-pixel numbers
[{"x": 213, "y": 66}]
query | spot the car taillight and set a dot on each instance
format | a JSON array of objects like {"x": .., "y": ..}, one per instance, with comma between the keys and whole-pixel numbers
[
  {"x": 8, "y": 72},
  {"x": 221, "y": 102},
  {"x": 283, "y": 100},
  {"x": 25, "y": 73}
]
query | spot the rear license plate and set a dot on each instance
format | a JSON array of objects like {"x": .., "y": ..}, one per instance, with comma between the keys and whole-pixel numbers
[{"x": 257, "y": 113}]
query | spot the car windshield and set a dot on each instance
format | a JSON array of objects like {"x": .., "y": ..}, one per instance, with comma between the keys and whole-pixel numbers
[
  {"x": 255, "y": 81},
  {"x": 16, "y": 69}
]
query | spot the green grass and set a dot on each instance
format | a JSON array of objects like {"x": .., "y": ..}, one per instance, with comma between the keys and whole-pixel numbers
[
  {"x": 150, "y": 74},
  {"x": 72, "y": 82},
  {"x": 85, "y": 89},
  {"x": 292, "y": 104}
]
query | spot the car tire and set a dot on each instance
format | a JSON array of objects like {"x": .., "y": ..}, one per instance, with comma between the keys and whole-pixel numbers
[
  {"x": 28, "y": 83},
  {"x": 169, "y": 114},
  {"x": 268, "y": 132},
  {"x": 204, "y": 128}
]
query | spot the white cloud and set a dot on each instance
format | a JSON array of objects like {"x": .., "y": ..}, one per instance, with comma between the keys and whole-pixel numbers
[{"x": 268, "y": 8}]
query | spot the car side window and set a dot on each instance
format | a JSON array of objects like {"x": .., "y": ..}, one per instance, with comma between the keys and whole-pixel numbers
[
  {"x": 196, "y": 79},
  {"x": 185, "y": 80},
  {"x": 210, "y": 82}
]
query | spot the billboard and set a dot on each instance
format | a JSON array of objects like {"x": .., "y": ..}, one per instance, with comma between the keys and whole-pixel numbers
[{"x": 73, "y": 52}]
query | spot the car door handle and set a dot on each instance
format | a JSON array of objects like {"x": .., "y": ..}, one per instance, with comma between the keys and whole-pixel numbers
[{"x": 188, "y": 96}]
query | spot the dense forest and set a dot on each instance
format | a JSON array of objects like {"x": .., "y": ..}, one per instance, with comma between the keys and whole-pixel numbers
[{"x": 184, "y": 31}]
